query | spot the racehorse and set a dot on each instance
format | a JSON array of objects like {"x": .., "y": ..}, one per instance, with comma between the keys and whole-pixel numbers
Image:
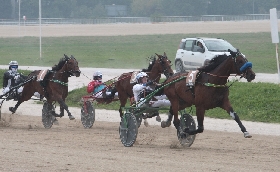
[
  {"x": 155, "y": 69},
  {"x": 208, "y": 91},
  {"x": 54, "y": 86}
]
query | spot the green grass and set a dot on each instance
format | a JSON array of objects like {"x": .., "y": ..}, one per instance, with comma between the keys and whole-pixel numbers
[
  {"x": 252, "y": 101},
  {"x": 128, "y": 51}
]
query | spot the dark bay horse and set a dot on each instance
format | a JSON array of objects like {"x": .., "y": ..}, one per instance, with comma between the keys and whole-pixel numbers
[
  {"x": 54, "y": 86},
  {"x": 157, "y": 66},
  {"x": 209, "y": 90}
]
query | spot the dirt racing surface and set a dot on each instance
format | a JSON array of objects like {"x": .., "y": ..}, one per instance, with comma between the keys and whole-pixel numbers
[{"x": 27, "y": 146}]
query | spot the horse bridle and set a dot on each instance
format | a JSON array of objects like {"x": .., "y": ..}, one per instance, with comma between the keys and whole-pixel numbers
[
  {"x": 165, "y": 72},
  {"x": 235, "y": 64},
  {"x": 72, "y": 71}
]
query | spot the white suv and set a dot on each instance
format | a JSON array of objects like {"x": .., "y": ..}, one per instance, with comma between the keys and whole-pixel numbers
[{"x": 195, "y": 52}]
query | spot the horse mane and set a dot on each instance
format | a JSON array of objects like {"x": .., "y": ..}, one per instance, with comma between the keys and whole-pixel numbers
[
  {"x": 152, "y": 60},
  {"x": 216, "y": 61},
  {"x": 61, "y": 63}
]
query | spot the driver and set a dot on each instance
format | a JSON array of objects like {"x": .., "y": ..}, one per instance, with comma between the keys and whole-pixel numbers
[
  {"x": 12, "y": 78},
  {"x": 143, "y": 88},
  {"x": 97, "y": 85}
]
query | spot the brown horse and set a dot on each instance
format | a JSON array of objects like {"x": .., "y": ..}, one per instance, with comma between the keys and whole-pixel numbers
[
  {"x": 54, "y": 86},
  {"x": 156, "y": 68},
  {"x": 209, "y": 90}
]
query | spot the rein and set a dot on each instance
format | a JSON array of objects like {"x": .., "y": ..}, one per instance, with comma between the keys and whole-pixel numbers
[
  {"x": 149, "y": 96},
  {"x": 221, "y": 76}
]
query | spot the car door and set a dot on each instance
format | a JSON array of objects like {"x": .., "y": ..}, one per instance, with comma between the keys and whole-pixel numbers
[
  {"x": 197, "y": 55},
  {"x": 186, "y": 54}
]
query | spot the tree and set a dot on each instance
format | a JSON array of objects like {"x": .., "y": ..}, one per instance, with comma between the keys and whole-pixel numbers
[{"x": 6, "y": 10}]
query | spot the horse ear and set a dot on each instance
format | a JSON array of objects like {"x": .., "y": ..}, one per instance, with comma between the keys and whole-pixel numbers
[
  {"x": 232, "y": 53},
  {"x": 164, "y": 54},
  {"x": 157, "y": 54}
]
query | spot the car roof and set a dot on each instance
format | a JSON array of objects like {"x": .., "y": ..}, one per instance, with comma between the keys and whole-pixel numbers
[{"x": 203, "y": 38}]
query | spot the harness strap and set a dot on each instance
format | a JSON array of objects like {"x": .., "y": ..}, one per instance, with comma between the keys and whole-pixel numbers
[
  {"x": 60, "y": 82},
  {"x": 213, "y": 85}
]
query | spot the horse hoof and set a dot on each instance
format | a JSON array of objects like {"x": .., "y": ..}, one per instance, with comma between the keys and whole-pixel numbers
[
  {"x": 71, "y": 117},
  {"x": 165, "y": 124},
  {"x": 158, "y": 118},
  {"x": 247, "y": 135},
  {"x": 55, "y": 121},
  {"x": 12, "y": 109},
  {"x": 146, "y": 123}
]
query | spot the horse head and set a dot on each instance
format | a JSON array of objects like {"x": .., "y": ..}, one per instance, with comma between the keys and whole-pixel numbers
[
  {"x": 242, "y": 66},
  {"x": 164, "y": 65},
  {"x": 72, "y": 66}
]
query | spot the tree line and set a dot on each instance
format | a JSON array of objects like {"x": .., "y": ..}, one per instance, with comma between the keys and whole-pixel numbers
[{"x": 9, "y": 9}]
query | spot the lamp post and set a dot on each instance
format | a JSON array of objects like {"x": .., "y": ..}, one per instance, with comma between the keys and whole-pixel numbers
[
  {"x": 18, "y": 17},
  {"x": 253, "y": 6},
  {"x": 40, "y": 29}
]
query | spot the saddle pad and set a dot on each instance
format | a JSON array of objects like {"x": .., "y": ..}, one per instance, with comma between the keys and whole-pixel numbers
[
  {"x": 190, "y": 80},
  {"x": 42, "y": 74},
  {"x": 133, "y": 77}
]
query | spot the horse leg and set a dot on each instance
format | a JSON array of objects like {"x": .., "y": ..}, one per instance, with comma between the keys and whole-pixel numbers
[
  {"x": 64, "y": 106},
  {"x": 167, "y": 123},
  {"x": 23, "y": 97},
  {"x": 234, "y": 116},
  {"x": 123, "y": 100},
  {"x": 227, "y": 106},
  {"x": 200, "y": 118},
  {"x": 61, "y": 111}
]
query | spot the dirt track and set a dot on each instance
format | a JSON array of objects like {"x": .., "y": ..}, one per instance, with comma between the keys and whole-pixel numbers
[{"x": 26, "y": 146}]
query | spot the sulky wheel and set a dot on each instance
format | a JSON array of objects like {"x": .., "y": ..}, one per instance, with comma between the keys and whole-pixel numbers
[
  {"x": 88, "y": 115},
  {"x": 47, "y": 117},
  {"x": 128, "y": 129},
  {"x": 187, "y": 123}
]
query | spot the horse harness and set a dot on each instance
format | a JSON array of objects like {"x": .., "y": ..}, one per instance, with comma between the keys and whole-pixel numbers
[{"x": 195, "y": 74}]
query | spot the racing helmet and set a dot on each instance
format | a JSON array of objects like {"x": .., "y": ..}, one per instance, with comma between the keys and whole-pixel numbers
[
  {"x": 140, "y": 75},
  {"x": 97, "y": 75},
  {"x": 13, "y": 64}
]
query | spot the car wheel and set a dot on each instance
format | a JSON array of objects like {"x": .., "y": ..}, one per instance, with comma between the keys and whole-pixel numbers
[{"x": 179, "y": 66}]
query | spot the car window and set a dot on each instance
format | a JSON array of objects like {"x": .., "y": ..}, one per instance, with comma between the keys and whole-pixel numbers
[
  {"x": 182, "y": 45},
  {"x": 188, "y": 45},
  {"x": 218, "y": 45}
]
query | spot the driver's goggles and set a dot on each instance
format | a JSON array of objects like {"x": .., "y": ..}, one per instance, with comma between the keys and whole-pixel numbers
[{"x": 14, "y": 66}]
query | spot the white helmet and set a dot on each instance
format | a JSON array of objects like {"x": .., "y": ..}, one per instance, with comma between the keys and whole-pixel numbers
[
  {"x": 13, "y": 64},
  {"x": 97, "y": 74},
  {"x": 140, "y": 75}
]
